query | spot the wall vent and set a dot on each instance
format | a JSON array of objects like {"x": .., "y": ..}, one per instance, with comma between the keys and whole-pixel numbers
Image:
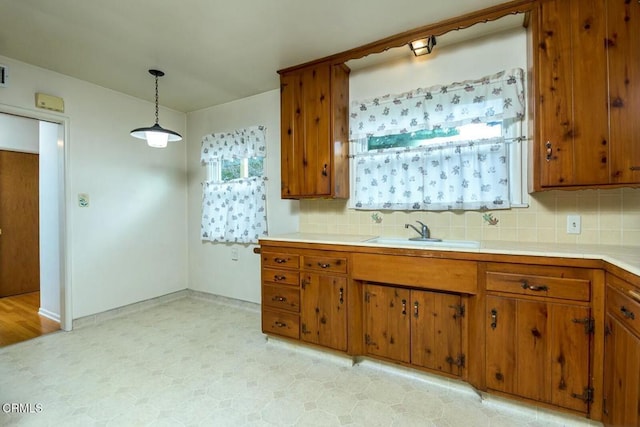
[{"x": 4, "y": 75}]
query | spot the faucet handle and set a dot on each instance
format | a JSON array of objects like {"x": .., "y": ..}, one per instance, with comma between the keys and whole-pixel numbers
[{"x": 421, "y": 223}]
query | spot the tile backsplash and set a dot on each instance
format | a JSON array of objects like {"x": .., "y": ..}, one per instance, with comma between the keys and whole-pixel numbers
[{"x": 609, "y": 217}]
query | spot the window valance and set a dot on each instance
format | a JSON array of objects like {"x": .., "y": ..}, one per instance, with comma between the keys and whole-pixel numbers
[
  {"x": 491, "y": 98},
  {"x": 241, "y": 143}
]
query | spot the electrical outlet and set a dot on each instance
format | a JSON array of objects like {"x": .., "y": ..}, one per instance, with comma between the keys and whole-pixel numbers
[
  {"x": 574, "y": 224},
  {"x": 234, "y": 254}
]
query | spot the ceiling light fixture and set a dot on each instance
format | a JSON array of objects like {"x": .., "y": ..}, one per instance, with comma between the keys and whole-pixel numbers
[
  {"x": 423, "y": 46},
  {"x": 156, "y": 135}
]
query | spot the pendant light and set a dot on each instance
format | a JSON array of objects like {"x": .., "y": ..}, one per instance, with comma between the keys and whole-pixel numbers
[{"x": 156, "y": 135}]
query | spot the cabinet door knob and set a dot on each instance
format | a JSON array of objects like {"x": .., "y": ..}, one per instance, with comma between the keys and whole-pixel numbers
[
  {"x": 324, "y": 170},
  {"x": 341, "y": 295},
  {"x": 494, "y": 318},
  {"x": 404, "y": 307},
  {"x": 549, "y": 151},
  {"x": 415, "y": 309}
]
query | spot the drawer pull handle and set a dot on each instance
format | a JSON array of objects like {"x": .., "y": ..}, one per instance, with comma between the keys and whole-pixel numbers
[
  {"x": 341, "y": 295},
  {"x": 322, "y": 265},
  {"x": 404, "y": 307},
  {"x": 627, "y": 313},
  {"x": 278, "y": 298},
  {"x": 494, "y": 318},
  {"x": 280, "y": 324},
  {"x": 534, "y": 288},
  {"x": 279, "y": 277},
  {"x": 280, "y": 260},
  {"x": 635, "y": 295}
]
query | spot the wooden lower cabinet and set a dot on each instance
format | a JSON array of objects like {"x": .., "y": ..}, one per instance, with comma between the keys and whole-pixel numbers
[
  {"x": 419, "y": 327},
  {"x": 323, "y": 314},
  {"x": 539, "y": 350},
  {"x": 621, "y": 406}
]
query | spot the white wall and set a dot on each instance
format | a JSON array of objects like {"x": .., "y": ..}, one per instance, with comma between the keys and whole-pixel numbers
[
  {"x": 211, "y": 268},
  {"x": 130, "y": 244},
  {"x": 18, "y": 133},
  {"x": 50, "y": 257},
  {"x": 483, "y": 56}
]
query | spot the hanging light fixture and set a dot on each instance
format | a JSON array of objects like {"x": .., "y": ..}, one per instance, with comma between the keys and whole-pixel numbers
[{"x": 156, "y": 135}]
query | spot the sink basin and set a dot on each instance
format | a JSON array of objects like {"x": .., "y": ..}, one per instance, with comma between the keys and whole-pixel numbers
[{"x": 394, "y": 241}]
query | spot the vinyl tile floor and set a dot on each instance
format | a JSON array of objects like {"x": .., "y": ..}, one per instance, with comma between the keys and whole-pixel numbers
[{"x": 198, "y": 362}]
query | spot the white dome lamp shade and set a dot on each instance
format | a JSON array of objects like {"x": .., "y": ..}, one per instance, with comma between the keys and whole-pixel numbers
[{"x": 156, "y": 135}]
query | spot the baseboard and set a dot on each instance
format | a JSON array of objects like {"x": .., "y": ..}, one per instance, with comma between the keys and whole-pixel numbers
[
  {"x": 49, "y": 315},
  {"x": 93, "y": 319}
]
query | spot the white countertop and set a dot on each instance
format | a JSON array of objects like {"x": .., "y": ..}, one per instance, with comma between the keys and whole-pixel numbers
[{"x": 625, "y": 257}]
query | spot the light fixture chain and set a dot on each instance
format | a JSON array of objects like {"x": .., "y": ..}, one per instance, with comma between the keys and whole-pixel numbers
[{"x": 157, "y": 99}]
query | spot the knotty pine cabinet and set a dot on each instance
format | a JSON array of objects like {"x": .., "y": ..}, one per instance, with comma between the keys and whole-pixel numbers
[
  {"x": 539, "y": 332},
  {"x": 587, "y": 89},
  {"x": 304, "y": 296},
  {"x": 621, "y": 406},
  {"x": 413, "y": 326},
  {"x": 314, "y": 108}
]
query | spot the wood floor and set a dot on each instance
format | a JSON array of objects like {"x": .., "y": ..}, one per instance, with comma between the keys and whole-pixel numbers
[{"x": 20, "y": 321}]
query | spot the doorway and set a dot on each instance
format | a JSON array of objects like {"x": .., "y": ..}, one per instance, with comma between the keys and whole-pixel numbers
[{"x": 52, "y": 299}]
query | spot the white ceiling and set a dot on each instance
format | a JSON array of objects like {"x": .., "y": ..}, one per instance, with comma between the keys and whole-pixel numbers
[{"x": 212, "y": 51}]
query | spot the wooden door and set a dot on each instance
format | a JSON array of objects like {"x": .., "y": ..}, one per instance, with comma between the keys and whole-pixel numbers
[
  {"x": 306, "y": 132},
  {"x": 621, "y": 376},
  {"x": 436, "y": 331},
  {"x": 19, "y": 223},
  {"x": 570, "y": 339},
  {"x": 623, "y": 41},
  {"x": 572, "y": 118},
  {"x": 323, "y": 314},
  {"x": 387, "y": 322}
]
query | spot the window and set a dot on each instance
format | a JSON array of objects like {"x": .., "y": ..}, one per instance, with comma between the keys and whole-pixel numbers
[
  {"x": 234, "y": 194},
  {"x": 445, "y": 147}
]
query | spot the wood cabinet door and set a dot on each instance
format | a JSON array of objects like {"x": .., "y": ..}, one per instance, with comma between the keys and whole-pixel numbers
[
  {"x": 538, "y": 350},
  {"x": 623, "y": 49},
  {"x": 621, "y": 376},
  {"x": 572, "y": 113},
  {"x": 323, "y": 312},
  {"x": 387, "y": 322},
  {"x": 570, "y": 335},
  {"x": 436, "y": 331},
  {"x": 305, "y": 121}
]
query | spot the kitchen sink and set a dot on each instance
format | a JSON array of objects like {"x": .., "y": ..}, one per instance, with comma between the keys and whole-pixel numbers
[{"x": 395, "y": 241}]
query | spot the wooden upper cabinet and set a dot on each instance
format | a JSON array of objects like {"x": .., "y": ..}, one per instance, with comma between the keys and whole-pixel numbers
[
  {"x": 623, "y": 41},
  {"x": 314, "y": 132},
  {"x": 573, "y": 140},
  {"x": 587, "y": 87}
]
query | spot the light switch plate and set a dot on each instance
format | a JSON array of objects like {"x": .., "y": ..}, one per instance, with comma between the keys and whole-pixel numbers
[{"x": 83, "y": 200}]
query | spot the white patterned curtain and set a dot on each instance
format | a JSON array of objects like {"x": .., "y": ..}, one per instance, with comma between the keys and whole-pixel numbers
[
  {"x": 470, "y": 174},
  {"x": 234, "y": 211},
  {"x": 241, "y": 143}
]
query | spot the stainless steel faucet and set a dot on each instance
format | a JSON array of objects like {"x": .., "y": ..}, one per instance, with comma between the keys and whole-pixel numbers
[{"x": 424, "y": 232}]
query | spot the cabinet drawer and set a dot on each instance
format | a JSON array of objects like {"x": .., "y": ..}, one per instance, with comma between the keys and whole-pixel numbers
[
  {"x": 625, "y": 306},
  {"x": 281, "y": 323},
  {"x": 282, "y": 297},
  {"x": 543, "y": 286},
  {"x": 325, "y": 263},
  {"x": 280, "y": 260},
  {"x": 285, "y": 277}
]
